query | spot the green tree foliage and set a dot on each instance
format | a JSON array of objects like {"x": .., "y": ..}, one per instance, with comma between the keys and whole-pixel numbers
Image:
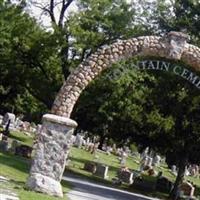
[
  {"x": 110, "y": 103},
  {"x": 157, "y": 109},
  {"x": 35, "y": 61},
  {"x": 180, "y": 141},
  {"x": 179, "y": 15},
  {"x": 25, "y": 62}
]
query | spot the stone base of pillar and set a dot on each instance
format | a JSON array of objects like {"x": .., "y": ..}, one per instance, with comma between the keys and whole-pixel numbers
[
  {"x": 44, "y": 184},
  {"x": 53, "y": 144}
]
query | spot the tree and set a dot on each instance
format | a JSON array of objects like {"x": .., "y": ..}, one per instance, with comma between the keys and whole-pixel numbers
[
  {"x": 96, "y": 23},
  {"x": 180, "y": 15},
  {"x": 42, "y": 59},
  {"x": 133, "y": 106},
  {"x": 184, "y": 136},
  {"x": 110, "y": 104},
  {"x": 27, "y": 77},
  {"x": 171, "y": 123}
]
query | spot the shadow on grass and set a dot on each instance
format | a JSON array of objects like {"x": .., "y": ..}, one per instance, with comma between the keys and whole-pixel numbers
[
  {"x": 93, "y": 179},
  {"x": 17, "y": 183},
  {"x": 17, "y": 162},
  {"x": 89, "y": 176}
]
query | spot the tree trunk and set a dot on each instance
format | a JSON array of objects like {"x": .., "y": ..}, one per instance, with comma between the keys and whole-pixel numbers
[{"x": 179, "y": 179}]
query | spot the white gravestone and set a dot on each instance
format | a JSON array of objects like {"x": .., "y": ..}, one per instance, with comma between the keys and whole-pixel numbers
[
  {"x": 156, "y": 160},
  {"x": 79, "y": 140},
  {"x": 101, "y": 171},
  {"x": 1, "y": 119},
  {"x": 9, "y": 117}
]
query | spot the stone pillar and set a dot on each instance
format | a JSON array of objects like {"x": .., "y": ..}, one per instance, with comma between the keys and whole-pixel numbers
[{"x": 50, "y": 155}]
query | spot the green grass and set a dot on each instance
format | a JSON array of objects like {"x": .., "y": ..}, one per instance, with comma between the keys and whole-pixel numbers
[
  {"x": 22, "y": 137},
  {"x": 80, "y": 156},
  {"x": 16, "y": 169}
]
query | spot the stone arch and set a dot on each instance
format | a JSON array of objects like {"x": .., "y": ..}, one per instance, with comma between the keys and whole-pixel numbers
[
  {"x": 54, "y": 137},
  {"x": 173, "y": 46}
]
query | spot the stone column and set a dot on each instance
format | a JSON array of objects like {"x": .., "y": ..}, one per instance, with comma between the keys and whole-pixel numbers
[{"x": 50, "y": 155}]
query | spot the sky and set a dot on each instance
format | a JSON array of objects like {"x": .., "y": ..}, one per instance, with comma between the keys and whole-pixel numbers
[{"x": 43, "y": 19}]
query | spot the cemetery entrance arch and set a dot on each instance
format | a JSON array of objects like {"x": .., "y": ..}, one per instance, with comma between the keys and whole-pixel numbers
[{"x": 54, "y": 138}]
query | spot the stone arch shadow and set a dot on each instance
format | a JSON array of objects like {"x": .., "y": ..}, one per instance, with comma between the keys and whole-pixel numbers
[{"x": 54, "y": 138}]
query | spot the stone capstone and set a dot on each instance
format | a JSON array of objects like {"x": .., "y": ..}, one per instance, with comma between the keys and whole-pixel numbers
[{"x": 59, "y": 119}]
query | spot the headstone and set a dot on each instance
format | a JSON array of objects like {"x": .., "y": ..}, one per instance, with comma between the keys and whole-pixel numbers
[
  {"x": 143, "y": 184},
  {"x": 187, "y": 172},
  {"x": 87, "y": 143},
  {"x": 194, "y": 170},
  {"x": 4, "y": 146},
  {"x": 90, "y": 147},
  {"x": 144, "y": 153},
  {"x": 143, "y": 163},
  {"x": 14, "y": 145},
  {"x": 164, "y": 184},
  {"x": 187, "y": 189},
  {"x": 114, "y": 149},
  {"x": 73, "y": 138},
  {"x": 123, "y": 158},
  {"x": 127, "y": 150},
  {"x": 125, "y": 176},
  {"x": 90, "y": 167},
  {"x": 9, "y": 117},
  {"x": 1, "y": 119},
  {"x": 79, "y": 140},
  {"x": 24, "y": 151},
  {"x": 152, "y": 172},
  {"x": 173, "y": 168},
  {"x": 116, "y": 181},
  {"x": 156, "y": 160},
  {"x": 26, "y": 126},
  {"x": 18, "y": 123},
  {"x": 1, "y": 136},
  {"x": 95, "y": 147},
  {"x": 149, "y": 161},
  {"x": 108, "y": 150},
  {"x": 101, "y": 171}
]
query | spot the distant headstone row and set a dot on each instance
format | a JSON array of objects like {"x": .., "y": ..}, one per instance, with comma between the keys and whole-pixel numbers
[{"x": 13, "y": 123}]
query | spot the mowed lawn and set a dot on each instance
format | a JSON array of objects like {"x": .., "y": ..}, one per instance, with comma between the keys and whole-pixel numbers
[
  {"x": 16, "y": 168},
  {"x": 78, "y": 157}
]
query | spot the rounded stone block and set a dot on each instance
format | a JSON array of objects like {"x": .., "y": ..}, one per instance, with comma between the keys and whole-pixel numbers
[{"x": 44, "y": 184}]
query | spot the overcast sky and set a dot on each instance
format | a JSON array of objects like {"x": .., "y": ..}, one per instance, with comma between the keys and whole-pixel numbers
[
  {"x": 45, "y": 20},
  {"x": 35, "y": 11}
]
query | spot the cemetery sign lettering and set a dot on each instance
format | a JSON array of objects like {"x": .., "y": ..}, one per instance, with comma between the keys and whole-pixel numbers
[{"x": 169, "y": 67}]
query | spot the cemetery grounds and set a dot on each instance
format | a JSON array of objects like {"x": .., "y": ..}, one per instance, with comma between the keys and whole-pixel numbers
[{"x": 16, "y": 169}]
